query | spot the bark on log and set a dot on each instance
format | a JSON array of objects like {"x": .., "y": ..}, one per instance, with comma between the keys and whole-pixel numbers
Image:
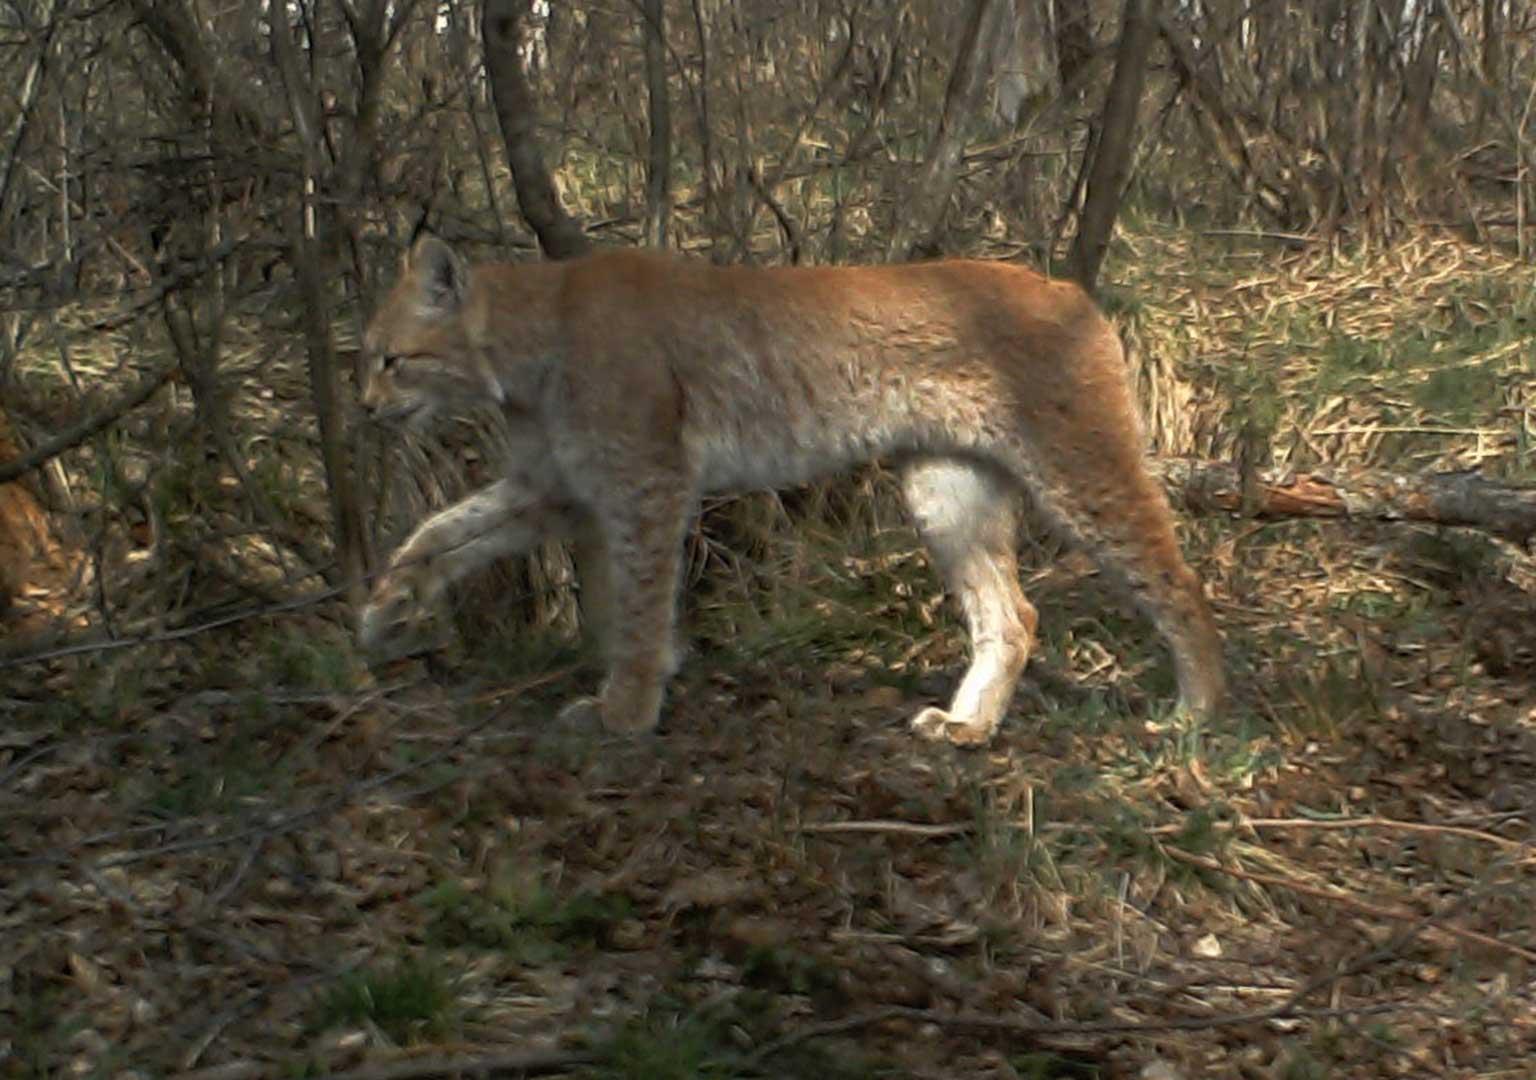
[{"x": 1461, "y": 498}]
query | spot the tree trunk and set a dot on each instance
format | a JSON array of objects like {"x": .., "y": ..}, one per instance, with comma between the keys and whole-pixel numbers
[
  {"x": 707, "y": 166},
  {"x": 31, "y": 83},
  {"x": 658, "y": 164},
  {"x": 1441, "y": 498},
  {"x": 1228, "y": 135},
  {"x": 1493, "y": 44},
  {"x": 324, "y": 383},
  {"x": 1418, "y": 92},
  {"x": 1112, "y": 155},
  {"x": 922, "y": 213},
  {"x": 205, "y": 81},
  {"x": 1074, "y": 38},
  {"x": 560, "y": 237},
  {"x": 1026, "y": 69}
]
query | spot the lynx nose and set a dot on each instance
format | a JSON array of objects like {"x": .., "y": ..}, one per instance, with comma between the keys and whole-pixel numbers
[{"x": 370, "y": 400}]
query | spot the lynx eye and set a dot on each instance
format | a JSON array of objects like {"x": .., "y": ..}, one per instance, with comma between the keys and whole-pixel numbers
[{"x": 388, "y": 361}]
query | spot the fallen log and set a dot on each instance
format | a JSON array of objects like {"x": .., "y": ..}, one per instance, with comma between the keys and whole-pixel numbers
[{"x": 1459, "y": 498}]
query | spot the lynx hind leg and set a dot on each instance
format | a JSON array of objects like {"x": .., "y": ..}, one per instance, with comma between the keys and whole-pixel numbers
[
  {"x": 965, "y": 514},
  {"x": 1102, "y": 491},
  {"x": 594, "y": 577},
  {"x": 502, "y": 519}
]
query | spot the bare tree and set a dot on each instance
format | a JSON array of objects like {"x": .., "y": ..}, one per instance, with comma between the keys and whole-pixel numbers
[
  {"x": 31, "y": 83},
  {"x": 560, "y": 236},
  {"x": 181, "y": 192},
  {"x": 1112, "y": 148},
  {"x": 658, "y": 163},
  {"x": 206, "y": 80},
  {"x": 922, "y": 213}
]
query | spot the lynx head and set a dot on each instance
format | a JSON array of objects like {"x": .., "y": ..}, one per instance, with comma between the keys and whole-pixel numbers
[{"x": 418, "y": 357}]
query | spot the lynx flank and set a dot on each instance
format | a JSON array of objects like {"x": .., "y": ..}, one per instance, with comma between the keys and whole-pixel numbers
[{"x": 635, "y": 383}]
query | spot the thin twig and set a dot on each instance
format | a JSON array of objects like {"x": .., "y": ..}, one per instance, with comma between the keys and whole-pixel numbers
[
  {"x": 1340, "y": 824},
  {"x": 84, "y": 429},
  {"x": 108, "y": 644},
  {"x": 1365, "y": 907},
  {"x": 1037, "y": 1028},
  {"x": 1404, "y": 429},
  {"x": 905, "y": 828},
  {"x": 1373, "y": 822},
  {"x": 246, "y": 862},
  {"x": 166, "y": 286}
]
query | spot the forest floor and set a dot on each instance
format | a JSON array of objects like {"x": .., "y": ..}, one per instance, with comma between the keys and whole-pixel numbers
[{"x": 241, "y": 854}]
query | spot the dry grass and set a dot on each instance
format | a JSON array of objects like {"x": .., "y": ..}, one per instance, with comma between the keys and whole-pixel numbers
[{"x": 238, "y": 852}]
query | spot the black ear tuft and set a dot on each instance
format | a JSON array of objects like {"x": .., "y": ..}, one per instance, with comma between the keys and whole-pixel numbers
[{"x": 441, "y": 274}]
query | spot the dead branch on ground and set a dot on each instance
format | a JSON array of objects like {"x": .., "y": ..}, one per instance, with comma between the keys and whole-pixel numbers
[{"x": 1461, "y": 498}]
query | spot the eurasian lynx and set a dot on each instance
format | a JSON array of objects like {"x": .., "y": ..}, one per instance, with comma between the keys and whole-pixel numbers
[{"x": 637, "y": 382}]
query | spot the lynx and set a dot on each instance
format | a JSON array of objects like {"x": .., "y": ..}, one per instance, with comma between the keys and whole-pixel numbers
[{"x": 637, "y": 382}]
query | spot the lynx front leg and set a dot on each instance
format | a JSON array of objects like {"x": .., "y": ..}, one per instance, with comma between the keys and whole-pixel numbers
[
  {"x": 503, "y": 519},
  {"x": 965, "y": 514},
  {"x": 644, "y": 544}
]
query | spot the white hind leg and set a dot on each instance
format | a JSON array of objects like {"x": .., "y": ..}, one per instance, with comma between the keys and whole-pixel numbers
[{"x": 966, "y": 514}]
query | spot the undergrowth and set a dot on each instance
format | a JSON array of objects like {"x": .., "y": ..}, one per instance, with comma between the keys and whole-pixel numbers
[{"x": 784, "y": 858}]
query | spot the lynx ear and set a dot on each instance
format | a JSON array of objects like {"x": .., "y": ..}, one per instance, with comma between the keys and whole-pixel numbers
[{"x": 440, "y": 274}]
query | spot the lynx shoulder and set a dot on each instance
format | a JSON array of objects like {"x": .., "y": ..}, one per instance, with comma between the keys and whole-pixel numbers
[{"x": 639, "y": 382}]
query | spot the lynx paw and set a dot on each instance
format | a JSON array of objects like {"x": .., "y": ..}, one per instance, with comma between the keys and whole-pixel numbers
[
  {"x": 936, "y": 724},
  {"x": 590, "y": 714},
  {"x": 583, "y": 713},
  {"x": 391, "y": 610}
]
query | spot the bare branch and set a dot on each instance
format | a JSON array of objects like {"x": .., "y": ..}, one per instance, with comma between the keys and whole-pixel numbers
[{"x": 80, "y": 431}]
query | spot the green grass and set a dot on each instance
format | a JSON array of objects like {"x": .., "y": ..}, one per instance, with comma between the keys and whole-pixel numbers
[
  {"x": 1453, "y": 559},
  {"x": 1299, "y": 1064},
  {"x": 218, "y": 777},
  {"x": 1347, "y": 364},
  {"x": 1006, "y": 857},
  {"x": 44, "y": 1024},
  {"x": 526, "y": 920},
  {"x": 309, "y": 661},
  {"x": 1330, "y": 696},
  {"x": 670, "y": 1047},
  {"x": 410, "y": 1000},
  {"x": 787, "y": 970},
  {"x": 1460, "y": 394},
  {"x": 1047, "y": 1065},
  {"x": 824, "y": 611},
  {"x": 721, "y": 1040}
]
